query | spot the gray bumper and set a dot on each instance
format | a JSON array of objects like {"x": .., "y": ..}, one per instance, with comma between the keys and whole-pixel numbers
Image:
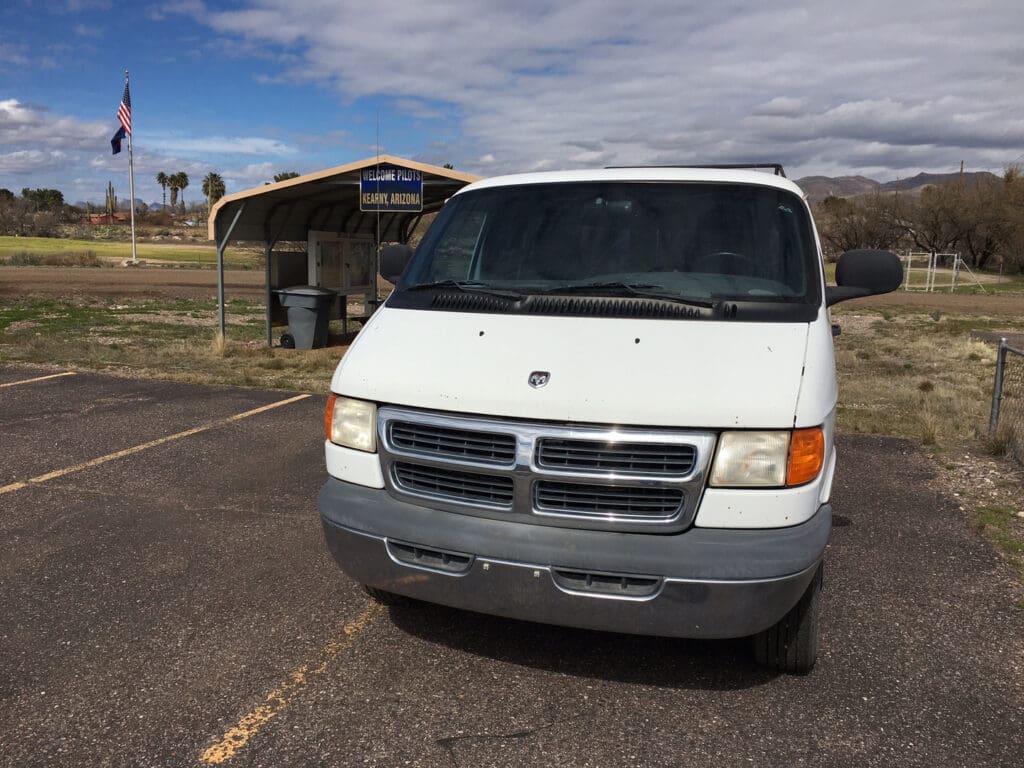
[{"x": 708, "y": 583}]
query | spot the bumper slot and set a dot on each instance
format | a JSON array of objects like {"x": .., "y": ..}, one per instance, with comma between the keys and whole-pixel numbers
[
  {"x": 430, "y": 559},
  {"x": 606, "y": 584}
]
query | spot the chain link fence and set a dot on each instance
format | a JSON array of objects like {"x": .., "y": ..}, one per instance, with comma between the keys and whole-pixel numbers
[{"x": 1007, "y": 421}]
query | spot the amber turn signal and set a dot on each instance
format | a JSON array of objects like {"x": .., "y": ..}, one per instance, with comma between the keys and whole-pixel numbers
[
  {"x": 329, "y": 414},
  {"x": 806, "y": 455}
]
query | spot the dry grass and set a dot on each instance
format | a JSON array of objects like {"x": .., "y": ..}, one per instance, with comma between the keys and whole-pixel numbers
[
  {"x": 174, "y": 341},
  {"x": 921, "y": 376}
]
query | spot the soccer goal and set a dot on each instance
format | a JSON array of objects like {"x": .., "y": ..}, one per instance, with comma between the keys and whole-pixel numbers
[{"x": 936, "y": 272}]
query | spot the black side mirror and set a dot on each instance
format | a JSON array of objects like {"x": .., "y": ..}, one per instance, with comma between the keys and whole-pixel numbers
[
  {"x": 864, "y": 273},
  {"x": 393, "y": 261}
]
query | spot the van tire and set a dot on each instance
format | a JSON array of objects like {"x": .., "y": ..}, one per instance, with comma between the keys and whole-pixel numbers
[
  {"x": 791, "y": 645},
  {"x": 383, "y": 597}
]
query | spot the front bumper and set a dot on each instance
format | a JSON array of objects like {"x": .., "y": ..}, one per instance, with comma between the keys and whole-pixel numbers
[{"x": 703, "y": 583}]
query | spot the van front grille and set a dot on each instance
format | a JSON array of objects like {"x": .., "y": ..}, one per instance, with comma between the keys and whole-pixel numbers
[
  {"x": 608, "y": 501},
  {"x": 609, "y": 478},
  {"x": 615, "y": 457},
  {"x": 454, "y": 485},
  {"x": 434, "y": 440}
]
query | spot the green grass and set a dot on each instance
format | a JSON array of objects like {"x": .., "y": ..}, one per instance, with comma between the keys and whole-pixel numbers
[
  {"x": 1006, "y": 284},
  {"x": 24, "y": 248},
  {"x": 1005, "y": 530}
]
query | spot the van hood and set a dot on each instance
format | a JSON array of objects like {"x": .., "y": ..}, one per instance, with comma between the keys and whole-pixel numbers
[{"x": 673, "y": 373}]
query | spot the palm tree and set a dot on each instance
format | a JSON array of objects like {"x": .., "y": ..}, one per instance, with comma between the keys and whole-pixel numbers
[
  {"x": 172, "y": 182},
  {"x": 213, "y": 188},
  {"x": 182, "y": 183},
  {"x": 162, "y": 180}
]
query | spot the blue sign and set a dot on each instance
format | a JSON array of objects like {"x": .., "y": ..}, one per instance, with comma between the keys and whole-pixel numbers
[{"x": 388, "y": 188}]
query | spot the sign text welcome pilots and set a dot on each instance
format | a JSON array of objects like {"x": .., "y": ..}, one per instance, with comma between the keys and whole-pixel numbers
[{"x": 388, "y": 188}]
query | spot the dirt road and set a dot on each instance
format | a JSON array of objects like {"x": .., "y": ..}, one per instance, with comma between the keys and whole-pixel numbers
[{"x": 128, "y": 282}]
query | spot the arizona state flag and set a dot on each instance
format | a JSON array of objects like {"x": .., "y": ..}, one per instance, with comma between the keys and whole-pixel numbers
[{"x": 115, "y": 143}]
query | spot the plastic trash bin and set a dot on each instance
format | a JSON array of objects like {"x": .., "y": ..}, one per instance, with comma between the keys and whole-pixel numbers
[{"x": 309, "y": 312}]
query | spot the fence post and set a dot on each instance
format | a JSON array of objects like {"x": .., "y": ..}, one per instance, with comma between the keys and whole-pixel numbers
[{"x": 997, "y": 388}]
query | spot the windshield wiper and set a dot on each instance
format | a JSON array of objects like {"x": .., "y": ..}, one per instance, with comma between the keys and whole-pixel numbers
[
  {"x": 467, "y": 286},
  {"x": 632, "y": 289}
]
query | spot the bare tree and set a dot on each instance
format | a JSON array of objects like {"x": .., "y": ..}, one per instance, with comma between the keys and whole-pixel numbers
[{"x": 872, "y": 221}]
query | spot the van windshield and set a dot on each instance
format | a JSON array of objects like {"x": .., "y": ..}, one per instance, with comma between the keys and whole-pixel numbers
[{"x": 696, "y": 242}]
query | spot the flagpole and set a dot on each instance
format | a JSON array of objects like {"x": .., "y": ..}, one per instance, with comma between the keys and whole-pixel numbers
[{"x": 131, "y": 183}]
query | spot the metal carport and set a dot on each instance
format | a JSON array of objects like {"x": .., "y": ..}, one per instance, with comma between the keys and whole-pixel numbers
[{"x": 327, "y": 200}]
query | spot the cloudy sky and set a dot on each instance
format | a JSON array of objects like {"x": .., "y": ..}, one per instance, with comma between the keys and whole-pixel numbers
[{"x": 249, "y": 88}]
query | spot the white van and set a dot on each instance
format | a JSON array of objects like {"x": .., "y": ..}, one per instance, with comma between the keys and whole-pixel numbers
[{"x": 601, "y": 399}]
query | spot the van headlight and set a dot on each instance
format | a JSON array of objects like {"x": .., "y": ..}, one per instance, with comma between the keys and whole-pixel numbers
[
  {"x": 773, "y": 459},
  {"x": 351, "y": 423}
]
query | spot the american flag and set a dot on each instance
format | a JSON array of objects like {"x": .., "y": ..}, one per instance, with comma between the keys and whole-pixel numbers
[{"x": 124, "y": 112}]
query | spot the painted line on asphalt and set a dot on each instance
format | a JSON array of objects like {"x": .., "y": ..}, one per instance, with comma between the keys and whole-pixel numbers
[
  {"x": 145, "y": 446},
  {"x": 38, "y": 378},
  {"x": 249, "y": 724}
]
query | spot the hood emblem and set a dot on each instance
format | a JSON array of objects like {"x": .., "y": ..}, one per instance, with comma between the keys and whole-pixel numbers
[{"x": 539, "y": 379}]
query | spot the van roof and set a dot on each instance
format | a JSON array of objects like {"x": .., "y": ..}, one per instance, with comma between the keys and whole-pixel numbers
[{"x": 719, "y": 175}]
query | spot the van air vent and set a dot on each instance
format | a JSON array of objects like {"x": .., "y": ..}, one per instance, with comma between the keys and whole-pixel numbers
[{"x": 585, "y": 306}]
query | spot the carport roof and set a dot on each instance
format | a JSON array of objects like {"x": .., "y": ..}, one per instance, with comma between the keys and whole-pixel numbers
[{"x": 325, "y": 200}]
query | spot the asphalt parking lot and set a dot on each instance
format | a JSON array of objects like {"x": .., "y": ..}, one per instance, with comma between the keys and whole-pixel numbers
[{"x": 166, "y": 599}]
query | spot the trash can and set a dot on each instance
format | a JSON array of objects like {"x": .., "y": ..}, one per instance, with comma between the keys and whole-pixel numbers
[{"x": 309, "y": 312}]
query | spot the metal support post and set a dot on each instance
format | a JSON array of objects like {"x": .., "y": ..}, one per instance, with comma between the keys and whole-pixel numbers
[
  {"x": 220, "y": 268},
  {"x": 268, "y": 247},
  {"x": 997, "y": 387}
]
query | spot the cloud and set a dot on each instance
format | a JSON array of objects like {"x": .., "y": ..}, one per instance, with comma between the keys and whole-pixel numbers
[
  {"x": 579, "y": 82},
  {"x": 85, "y": 30},
  {"x": 833, "y": 87},
  {"x": 41, "y": 148},
  {"x": 33, "y": 125},
  {"x": 220, "y": 145},
  {"x": 31, "y": 160},
  {"x": 14, "y": 55},
  {"x": 76, "y": 6}
]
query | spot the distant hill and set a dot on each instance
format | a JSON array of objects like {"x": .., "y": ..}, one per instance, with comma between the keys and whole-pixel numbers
[
  {"x": 820, "y": 187},
  {"x": 922, "y": 180}
]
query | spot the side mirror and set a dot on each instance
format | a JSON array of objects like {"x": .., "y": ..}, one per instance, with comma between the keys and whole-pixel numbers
[
  {"x": 393, "y": 261},
  {"x": 864, "y": 273}
]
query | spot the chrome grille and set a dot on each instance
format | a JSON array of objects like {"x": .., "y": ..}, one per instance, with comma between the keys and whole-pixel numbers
[
  {"x": 454, "y": 485},
  {"x": 629, "y": 458},
  {"x": 601, "y": 478},
  {"x": 636, "y": 502},
  {"x": 434, "y": 440}
]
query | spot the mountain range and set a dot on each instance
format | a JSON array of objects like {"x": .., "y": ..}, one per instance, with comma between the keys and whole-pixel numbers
[{"x": 820, "y": 187}]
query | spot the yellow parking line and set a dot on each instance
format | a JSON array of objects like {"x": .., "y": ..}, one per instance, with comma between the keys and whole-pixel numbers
[
  {"x": 249, "y": 725},
  {"x": 151, "y": 444},
  {"x": 38, "y": 378}
]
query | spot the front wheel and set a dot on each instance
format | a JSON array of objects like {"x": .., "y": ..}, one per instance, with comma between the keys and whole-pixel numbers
[{"x": 791, "y": 645}]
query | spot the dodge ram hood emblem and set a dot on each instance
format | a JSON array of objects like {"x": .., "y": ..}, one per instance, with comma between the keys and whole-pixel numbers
[{"x": 539, "y": 378}]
